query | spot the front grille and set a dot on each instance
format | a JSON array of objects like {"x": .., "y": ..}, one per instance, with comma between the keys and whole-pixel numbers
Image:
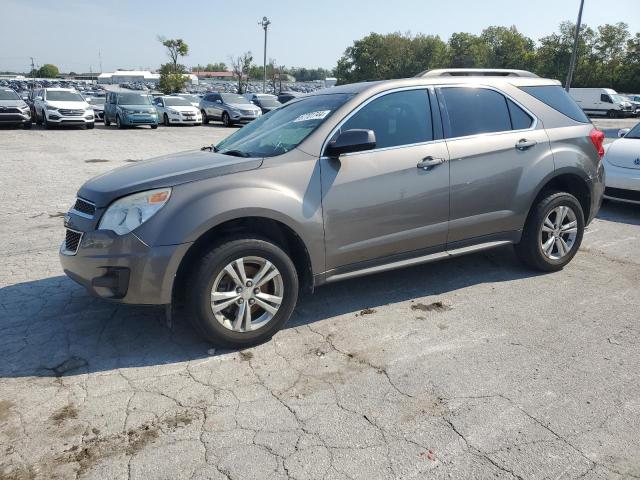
[
  {"x": 72, "y": 241},
  {"x": 247, "y": 112},
  {"x": 10, "y": 118},
  {"x": 71, "y": 113},
  {"x": 85, "y": 207},
  {"x": 10, "y": 110},
  {"x": 622, "y": 194}
]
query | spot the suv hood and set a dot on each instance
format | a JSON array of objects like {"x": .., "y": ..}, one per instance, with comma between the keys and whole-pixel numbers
[
  {"x": 182, "y": 108},
  {"x": 244, "y": 106},
  {"x": 13, "y": 103},
  {"x": 166, "y": 171},
  {"x": 69, "y": 105}
]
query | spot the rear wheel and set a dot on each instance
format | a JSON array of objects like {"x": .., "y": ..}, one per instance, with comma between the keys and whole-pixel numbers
[
  {"x": 242, "y": 292},
  {"x": 612, "y": 114},
  {"x": 553, "y": 232}
]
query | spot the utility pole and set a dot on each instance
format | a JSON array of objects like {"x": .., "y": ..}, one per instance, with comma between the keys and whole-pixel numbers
[
  {"x": 33, "y": 73},
  {"x": 574, "y": 54},
  {"x": 265, "y": 22},
  {"x": 100, "y": 60}
]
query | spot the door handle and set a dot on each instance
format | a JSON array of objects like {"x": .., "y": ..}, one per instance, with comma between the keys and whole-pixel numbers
[
  {"x": 524, "y": 144},
  {"x": 428, "y": 162}
]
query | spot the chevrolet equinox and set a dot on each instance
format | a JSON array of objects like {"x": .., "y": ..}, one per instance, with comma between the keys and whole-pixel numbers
[{"x": 347, "y": 181}]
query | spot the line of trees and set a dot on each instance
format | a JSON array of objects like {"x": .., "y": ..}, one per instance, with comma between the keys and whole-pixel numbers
[{"x": 608, "y": 56}]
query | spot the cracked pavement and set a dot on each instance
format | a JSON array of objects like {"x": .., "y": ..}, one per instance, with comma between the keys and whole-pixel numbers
[{"x": 469, "y": 368}]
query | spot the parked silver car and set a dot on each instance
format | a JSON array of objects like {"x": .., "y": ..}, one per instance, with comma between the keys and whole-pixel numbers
[
  {"x": 344, "y": 182},
  {"x": 229, "y": 108},
  {"x": 13, "y": 109}
]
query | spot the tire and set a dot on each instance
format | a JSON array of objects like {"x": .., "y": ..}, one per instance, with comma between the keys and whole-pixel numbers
[
  {"x": 45, "y": 122},
  {"x": 226, "y": 120},
  {"x": 166, "y": 120},
  {"x": 38, "y": 119},
  {"x": 107, "y": 122},
  {"x": 612, "y": 114},
  {"x": 91, "y": 126},
  {"x": 27, "y": 125},
  {"x": 154, "y": 127},
  {"x": 205, "y": 119},
  {"x": 531, "y": 250},
  {"x": 209, "y": 272},
  {"x": 119, "y": 123}
]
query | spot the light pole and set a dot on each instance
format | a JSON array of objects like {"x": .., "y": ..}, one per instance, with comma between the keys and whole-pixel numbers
[
  {"x": 572, "y": 66},
  {"x": 265, "y": 22}
]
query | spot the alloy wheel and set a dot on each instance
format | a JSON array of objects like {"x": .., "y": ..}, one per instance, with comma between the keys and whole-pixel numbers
[
  {"x": 247, "y": 294},
  {"x": 558, "y": 232}
]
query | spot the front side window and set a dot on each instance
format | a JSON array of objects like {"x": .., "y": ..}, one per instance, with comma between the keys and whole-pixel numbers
[
  {"x": 475, "y": 110},
  {"x": 282, "y": 129},
  {"x": 605, "y": 98},
  {"x": 399, "y": 118}
]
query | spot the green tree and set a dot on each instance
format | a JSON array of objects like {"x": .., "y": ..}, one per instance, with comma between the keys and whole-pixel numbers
[
  {"x": 48, "y": 70},
  {"x": 611, "y": 48},
  {"x": 508, "y": 48},
  {"x": 173, "y": 76},
  {"x": 467, "y": 51},
  {"x": 241, "y": 66}
]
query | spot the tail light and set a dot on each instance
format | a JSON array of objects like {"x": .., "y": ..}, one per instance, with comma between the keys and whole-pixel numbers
[{"x": 597, "y": 138}]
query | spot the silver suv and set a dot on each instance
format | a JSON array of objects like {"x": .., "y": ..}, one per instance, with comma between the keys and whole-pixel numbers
[{"x": 347, "y": 181}]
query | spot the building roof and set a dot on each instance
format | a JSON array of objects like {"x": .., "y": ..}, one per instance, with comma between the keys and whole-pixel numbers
[{"x": 214, "y": 74}]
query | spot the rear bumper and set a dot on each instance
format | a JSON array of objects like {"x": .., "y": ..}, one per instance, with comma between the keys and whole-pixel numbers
[
  {"x": 596, "y": 188},
  {"x": 123, "y": 268}
]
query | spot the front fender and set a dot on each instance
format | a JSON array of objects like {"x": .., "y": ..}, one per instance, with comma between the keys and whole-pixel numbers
[{"x": 287, "y": 193}]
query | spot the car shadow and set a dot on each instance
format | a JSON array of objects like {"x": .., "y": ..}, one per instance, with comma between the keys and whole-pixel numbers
[
  {"x": 52, "y": 327},
  {"x": 619, "y": 212}
]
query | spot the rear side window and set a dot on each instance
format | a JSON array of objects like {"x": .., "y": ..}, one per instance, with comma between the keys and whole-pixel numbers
[
  {"x": 400, "y": 118},
  {"x": 520, "y": 119},
  {"x": 558, "y": 99},
  {"x": 475, "y": 110}
]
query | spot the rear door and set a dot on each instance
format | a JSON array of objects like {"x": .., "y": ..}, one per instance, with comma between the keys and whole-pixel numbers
[
  {"x": 497, "y": 148},
  {"x": 381, "y": 202}
]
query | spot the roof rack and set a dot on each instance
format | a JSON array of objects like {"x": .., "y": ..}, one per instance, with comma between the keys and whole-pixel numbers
[{"x": 476, "y": 72}]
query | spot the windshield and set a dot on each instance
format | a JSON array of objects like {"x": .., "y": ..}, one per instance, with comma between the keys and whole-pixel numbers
[
  {"x": 134, "y": 99},
  {"x": 8, "y": 95},
  {"x": 282, "y": 129},
  {"x": 268, "y": 101},
  {"x": 233, "y": 98},
  {"x": 618, "y": 98},
  {"x": 634, "y": 133},
  {"x": 191, "y": 98},
  {"x": 62, "y": 96},
  {"x": 176, "y": 102}
]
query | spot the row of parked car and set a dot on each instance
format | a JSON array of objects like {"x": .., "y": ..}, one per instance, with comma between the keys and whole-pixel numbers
[{"x": 125, "y": 108}]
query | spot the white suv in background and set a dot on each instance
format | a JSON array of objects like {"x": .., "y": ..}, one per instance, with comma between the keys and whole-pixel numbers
[{"x": 62, "y": 106}]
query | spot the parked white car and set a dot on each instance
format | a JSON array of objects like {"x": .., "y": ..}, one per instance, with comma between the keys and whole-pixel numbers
[
  {"x": 602, "y": 101},
  {"x": 62, "y": 106},
  {"x": 174, "y": 110},
  {"x": 622, "y": 166}
]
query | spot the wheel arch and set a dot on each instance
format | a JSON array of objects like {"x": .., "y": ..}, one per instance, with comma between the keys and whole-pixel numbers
[
  {"x": 568, "y": 180},
  {"x": 274, "y": 230}
]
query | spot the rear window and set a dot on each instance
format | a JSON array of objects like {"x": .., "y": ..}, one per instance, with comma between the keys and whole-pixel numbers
[{"x": 558, "y": 99}]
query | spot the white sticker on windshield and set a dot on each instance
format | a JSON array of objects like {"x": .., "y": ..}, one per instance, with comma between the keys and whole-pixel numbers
[{"x": 313, "y": 116}]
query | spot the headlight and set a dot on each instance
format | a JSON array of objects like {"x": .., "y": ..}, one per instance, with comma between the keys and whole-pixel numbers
[
  {"x": 128, "y": 213},
  {"x": 171, "y": 110},
  {"x": 51, "y": 107}
]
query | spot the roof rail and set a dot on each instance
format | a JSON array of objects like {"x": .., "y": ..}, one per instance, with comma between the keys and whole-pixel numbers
[{"x": 476, "y": 72}]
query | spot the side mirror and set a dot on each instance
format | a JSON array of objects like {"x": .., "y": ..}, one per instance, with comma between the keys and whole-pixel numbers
[
  {"x": 623, "y": 131},
  {"x": 349, "y": 141},
  {"x": 218, "y": 101},
  {"x": 38, "y": 97}
]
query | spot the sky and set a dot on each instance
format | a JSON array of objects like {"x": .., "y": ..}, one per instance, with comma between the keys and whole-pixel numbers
[{"x": 74, "y": 34}]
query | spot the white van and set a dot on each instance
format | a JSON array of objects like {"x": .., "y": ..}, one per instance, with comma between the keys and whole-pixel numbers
[{"x": 602, "y": 101}]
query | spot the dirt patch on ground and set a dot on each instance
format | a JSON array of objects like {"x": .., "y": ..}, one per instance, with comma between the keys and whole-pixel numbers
[
  {"x": 366, "y": 311},
  {"x": 56, "y": 215},
  {"x": 65, "y": 413},
  {"x": 5, "y": 410},
  {"x": 246, "y": 356},
  {"x": 17, "y": 473},
  {"x": 431, "y": 307},
  {"x": 95, "y": 449},
  {"x": 96, "y": 160}
]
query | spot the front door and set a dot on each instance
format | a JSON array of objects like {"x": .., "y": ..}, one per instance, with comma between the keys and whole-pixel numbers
[{"x": 384, "y": 202}]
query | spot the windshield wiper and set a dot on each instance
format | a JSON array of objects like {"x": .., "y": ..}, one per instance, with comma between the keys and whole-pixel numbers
[
  {"x": 236, "y": 153},
  {"x": 211, "y": 148}
]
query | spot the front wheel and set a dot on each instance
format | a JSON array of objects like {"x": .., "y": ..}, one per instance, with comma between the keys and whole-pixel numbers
[
  {"x": 119, "y": 122},
  {"x": 107, "y": 122},
  {"x": 90, "y": 126},
  {"x": 154, "y": 127},
  {"x": 242, "y": 292},
  {"x": 226, "y": 120},
  {"x": 166, "y": 120},
  {"x": 205, "y": 119},
  {"x": 553, "y": 232},
  {"x": 27, "y": 125},
  {"x": 612, "y": 114}
]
